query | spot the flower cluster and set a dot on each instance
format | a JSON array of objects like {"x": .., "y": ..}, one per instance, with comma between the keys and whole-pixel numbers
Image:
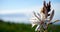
[{"x": 43, "y": 19}]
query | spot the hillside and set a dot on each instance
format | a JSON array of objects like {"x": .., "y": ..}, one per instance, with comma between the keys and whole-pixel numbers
[{"x": 21, "y": 27}]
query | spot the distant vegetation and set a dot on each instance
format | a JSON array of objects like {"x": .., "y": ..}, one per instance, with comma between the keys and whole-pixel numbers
[{"x": 21, "y": 27}]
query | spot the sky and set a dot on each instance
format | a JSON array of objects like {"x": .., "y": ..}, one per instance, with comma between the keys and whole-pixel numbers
[{"x": 21, "y": 10}]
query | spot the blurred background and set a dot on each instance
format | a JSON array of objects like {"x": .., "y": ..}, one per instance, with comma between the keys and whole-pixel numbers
[{"x": 15, "y": 14}]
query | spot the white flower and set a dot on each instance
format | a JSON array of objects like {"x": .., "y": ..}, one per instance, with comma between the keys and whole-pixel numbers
[{"x": 41, "y": 20}]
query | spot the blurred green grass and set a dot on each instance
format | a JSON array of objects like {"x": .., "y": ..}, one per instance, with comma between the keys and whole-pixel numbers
[{"x": 21, "y": 27}]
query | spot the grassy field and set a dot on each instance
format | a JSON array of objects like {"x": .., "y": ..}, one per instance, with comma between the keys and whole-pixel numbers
[{"x": 21, "y": 27}]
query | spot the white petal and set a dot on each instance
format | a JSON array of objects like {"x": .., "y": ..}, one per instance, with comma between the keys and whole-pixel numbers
[
  {"x": 33, "y": 25},
  {"x": 51, "y": 15},
  {"x": 37, "y": 28}
]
